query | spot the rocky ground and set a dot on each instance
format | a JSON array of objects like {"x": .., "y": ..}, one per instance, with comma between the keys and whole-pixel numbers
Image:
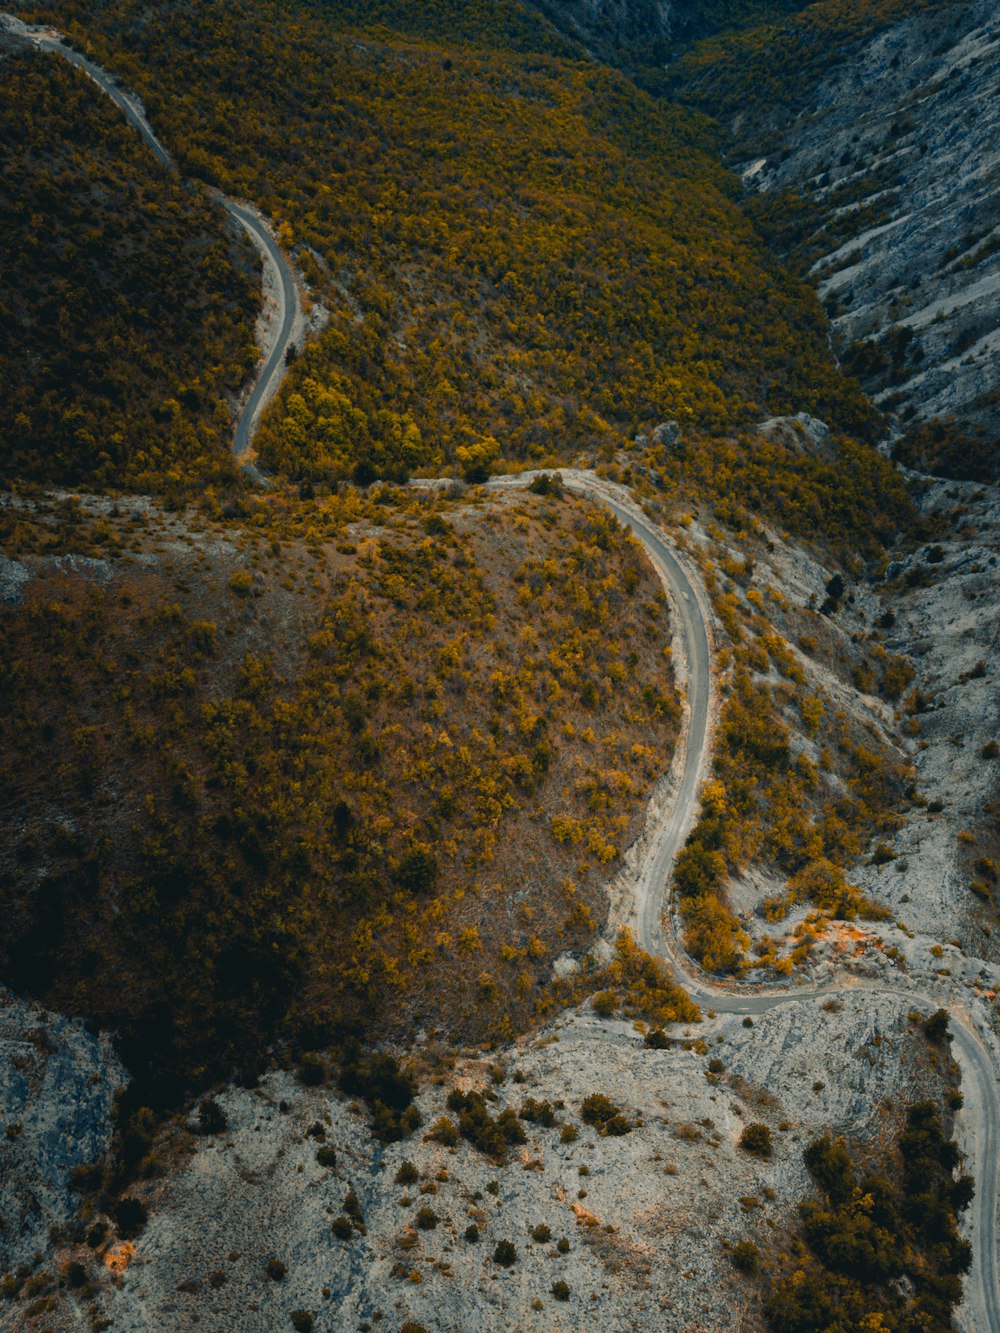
[
  {"x": 936, "y": 606},
  {"x": 943, "y": 597},
  {"x": 648, "y": 1216},
  {"x": 57, "y": 1086},
  {"x": 897, "y": 153}
]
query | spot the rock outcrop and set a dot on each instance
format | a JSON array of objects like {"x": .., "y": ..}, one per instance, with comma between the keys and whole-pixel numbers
[
  {"x": 898, "y": 153},
  {"x": 57, "y": 1088}
]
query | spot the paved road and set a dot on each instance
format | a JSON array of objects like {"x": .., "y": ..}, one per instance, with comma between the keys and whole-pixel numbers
[
  {"x": 274, "y": 366},
  {"x": 251, "y": 222},
  {"x": 669, "y": 837},
  {"x": 981, "y": 1306}
]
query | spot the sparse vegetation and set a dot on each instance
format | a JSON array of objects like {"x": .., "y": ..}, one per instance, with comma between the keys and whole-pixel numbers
[{"x": 879, "y": 1244}]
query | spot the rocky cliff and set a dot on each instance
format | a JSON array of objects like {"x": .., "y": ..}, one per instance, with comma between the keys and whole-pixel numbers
[
  {"x": 57, "y": 1086},
  {"x": 896, "y": 154}
]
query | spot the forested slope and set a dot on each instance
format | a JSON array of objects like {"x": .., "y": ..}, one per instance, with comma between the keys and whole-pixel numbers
[
  {"x": 344, "y": 767},
  {"x": 127, "y": 305},
  {"x": 523, "y": 254}
]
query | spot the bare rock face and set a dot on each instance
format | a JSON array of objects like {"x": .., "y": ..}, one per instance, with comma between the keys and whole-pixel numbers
[
  {"x": 803, "y": 432},
  {"x": 898, "y": 150},
  {"x": 57, "y": 1086},
  {"x": 622, "y": 21},
  {"x": 943, "y": 598}
]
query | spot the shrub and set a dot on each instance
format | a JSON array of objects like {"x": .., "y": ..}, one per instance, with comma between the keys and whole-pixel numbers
[
  {"x": 275, "y": 1270},
  {"x": 569, "y": 1134},
  {"x": 560, "y": 1290},
  {"x": 472, "y": 1233},
  {"x": 489, "y": 1135},
  {"x": 427, "y": 1219},
  {"x": 302, "y": 1320},
  {"x": 76, "y": 1274},
  {"x": 656, "y": 1039},
  {"x": 601, "y": 1112},
  {"x": 352, "y": 1206},
  {"x": 562, "y": 1245},
  {"x": 407, "y": 1174},
  {"x": 505, "y": 1254},
  {"x": 547, "y": 483},
  {"x": 130, "y": 1217},
  {"x": 444, "y": 1131},
  {"x": 539, "y": 1112},
  {"x": 326, "y": 1156},
  {"x": 745, "y": 1256},
  {"x": 604, "y": 1003},
  {"x": 541, "y": 1234},
  {"x": 311, "y": 1071},
  {"x": 211, "y": 1117},
  {"x": 341, "y": 1228},
  {"x": 936, "y": 1026},
  {"x": 241, "y": 582},
  {"x": 756, "y": 1139}
]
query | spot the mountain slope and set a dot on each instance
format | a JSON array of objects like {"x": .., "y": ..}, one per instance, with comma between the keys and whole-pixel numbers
[
  {"x": 521, "y": 254},
  {"x": 127, "y": 304},
  {"x": 876, "y": 167}
]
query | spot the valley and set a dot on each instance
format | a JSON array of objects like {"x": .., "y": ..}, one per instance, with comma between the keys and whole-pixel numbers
[{"x": 522, "y": 839}]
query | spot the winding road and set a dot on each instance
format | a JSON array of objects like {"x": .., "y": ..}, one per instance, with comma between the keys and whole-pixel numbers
[
  {"x": 981, "y": 1305},
  {"x": 980, "y": 1311},
  {"x": 289, "y": 301}
]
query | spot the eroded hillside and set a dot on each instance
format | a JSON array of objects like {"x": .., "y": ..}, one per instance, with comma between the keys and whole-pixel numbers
[{"x": 878, "y": 174}]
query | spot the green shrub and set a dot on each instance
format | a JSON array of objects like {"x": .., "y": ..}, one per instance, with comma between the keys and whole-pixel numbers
[
  {"x": 745, "y": 1256},
  {"x": 756, "y": 1139},
  {"x": 505, "y": 1253}
]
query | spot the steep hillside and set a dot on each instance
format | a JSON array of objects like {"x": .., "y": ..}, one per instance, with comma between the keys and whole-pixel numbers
[
  {"x": 877, "y": 174},
  {"x": 126, "y": 315},
  {"x": 522, "y": 255},
  {"x": 349, "y": 767}
]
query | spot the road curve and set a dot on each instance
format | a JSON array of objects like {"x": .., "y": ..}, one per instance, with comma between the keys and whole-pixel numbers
[
  {"x": 669, "y": 836},
  {"x": 980, "y": 1089},
  {"x": 274, "y": 366},
  {"x": 268, "y": 378}
]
